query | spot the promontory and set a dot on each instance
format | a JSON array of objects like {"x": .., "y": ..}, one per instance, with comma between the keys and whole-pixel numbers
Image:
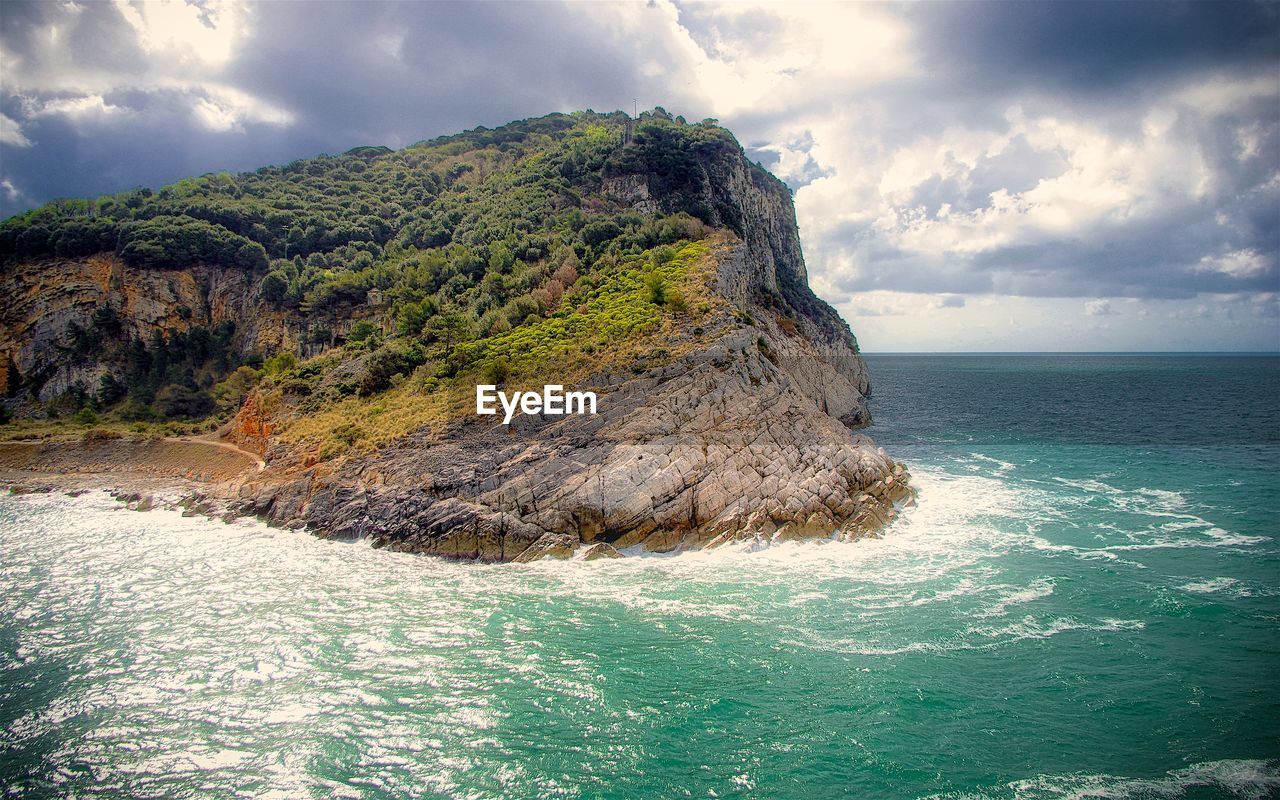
[{"x": 332, "y": 318}]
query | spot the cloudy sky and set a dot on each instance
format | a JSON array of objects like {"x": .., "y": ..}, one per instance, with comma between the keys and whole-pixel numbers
[{"x": 1005, "y": 176}]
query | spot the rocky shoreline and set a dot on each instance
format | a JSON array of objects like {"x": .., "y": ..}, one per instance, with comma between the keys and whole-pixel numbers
[
  {"x": 720, "y": 447},
  {"x": 723, "y": 446},
  {"x": 144, "y": 487}
]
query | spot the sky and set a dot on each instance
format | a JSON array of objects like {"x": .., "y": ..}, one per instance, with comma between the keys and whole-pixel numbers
[{"x": 1067, "y": 176}]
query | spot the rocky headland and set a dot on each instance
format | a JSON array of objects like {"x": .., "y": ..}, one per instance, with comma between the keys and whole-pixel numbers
[{"x": 739, "y": 423}]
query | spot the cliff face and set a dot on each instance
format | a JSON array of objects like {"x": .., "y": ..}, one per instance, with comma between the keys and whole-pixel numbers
[
  {"x": 748, "y": 438},
  {"x": 767, "y": 274},
  {"x": 41, "y": 299}
]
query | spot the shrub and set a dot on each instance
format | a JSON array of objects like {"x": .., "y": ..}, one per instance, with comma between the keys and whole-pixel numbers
[
  {"x": 379, "y": 369},
  {"x": 176, "y": 400},
  {"x": 85, "y": 416},
  {"x": 280, "y": 362},
  {"x": 497, "y": 372},
  {"x": 675, "y": 301},
  {"x": 137, "y": 409},
  {"x": 232, "y": 392},
  {"x": 347, "y": 433},
  {"x": 296, "y": 387},
  {"x": 656, "y": 287}
]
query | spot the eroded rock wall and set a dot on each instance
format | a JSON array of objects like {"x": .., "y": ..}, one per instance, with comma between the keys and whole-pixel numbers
[{"x": 40, "y": 299}]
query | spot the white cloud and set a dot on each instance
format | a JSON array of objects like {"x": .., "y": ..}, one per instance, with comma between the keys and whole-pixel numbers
[
  {"x": 224, "y": 109},
  {"x": 11, "y": 192},
  {"x": 11, "y": 133},
  {"x": 1237, "y": 264},
  {"x": 204, "y": 35},
  {"x": 185, "y": 49},
  {"x": 1108, "y": 181},
  {"x": 755, "y": 57},
  {"x": 78, "y": 107}
]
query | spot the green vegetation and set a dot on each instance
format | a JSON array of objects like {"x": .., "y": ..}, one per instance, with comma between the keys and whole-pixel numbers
[
  {"x": 177, "y": 376},
  {"x": 616, "y": 326},
  {"x": 493, "y": 254}
]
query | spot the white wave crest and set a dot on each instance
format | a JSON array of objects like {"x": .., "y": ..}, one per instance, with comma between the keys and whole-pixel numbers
[{"x": 1239, "y": 778}]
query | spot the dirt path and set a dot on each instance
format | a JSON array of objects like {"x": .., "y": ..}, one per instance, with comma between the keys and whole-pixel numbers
[{"x": 210, "y": 439}]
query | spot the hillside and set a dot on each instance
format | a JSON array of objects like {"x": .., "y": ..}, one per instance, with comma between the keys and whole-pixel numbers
[{"x": 339, "y": 312}]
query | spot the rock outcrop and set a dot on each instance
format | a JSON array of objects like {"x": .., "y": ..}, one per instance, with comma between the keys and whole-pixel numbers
[
  {"x": 750, "y": 438},
  {"x": 722, "y": 446}
]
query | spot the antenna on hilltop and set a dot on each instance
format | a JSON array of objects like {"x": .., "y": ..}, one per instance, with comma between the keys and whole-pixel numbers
[{"x": 635, "y": 102}]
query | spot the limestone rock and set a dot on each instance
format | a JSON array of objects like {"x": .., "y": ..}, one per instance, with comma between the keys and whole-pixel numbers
[
  {"x": 600, "y": 550},
  {"x": 550, "y": 545}
]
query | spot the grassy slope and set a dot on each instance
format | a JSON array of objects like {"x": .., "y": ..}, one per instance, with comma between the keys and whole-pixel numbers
[{"x": 618, "y": 326}]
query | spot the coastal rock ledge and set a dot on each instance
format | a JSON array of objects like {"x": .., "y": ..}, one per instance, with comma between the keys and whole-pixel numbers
[{"x": 749, "y": 436}]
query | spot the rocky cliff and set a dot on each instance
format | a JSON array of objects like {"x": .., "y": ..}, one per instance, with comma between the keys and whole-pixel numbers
[
  {"x": 728, "y": 416},
  {"x": 41, "y": 299}
]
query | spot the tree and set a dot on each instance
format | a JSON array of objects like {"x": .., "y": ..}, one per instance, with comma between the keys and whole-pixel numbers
[
  {"x": 231, "y": 392},
  {"x": 446, "y": 332},
  {"x": 274, "y": 287},
  {"x": 500, "y": 258},
  {"x": 110, "y": 391},
  {"x": 365, "y": 333},
  {"x": 176, "y": 400},
  {"x": 106, "y": 322},
  {"x": 597, "y": 233}
]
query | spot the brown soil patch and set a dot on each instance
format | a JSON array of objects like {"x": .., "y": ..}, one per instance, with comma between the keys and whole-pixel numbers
[{"x": 202, "y": 461}]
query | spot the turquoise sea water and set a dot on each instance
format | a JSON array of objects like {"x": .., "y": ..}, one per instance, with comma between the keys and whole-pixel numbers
[{"x": 1085, "y": 603}]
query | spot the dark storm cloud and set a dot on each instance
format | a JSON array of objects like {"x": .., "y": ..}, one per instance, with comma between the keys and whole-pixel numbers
[
  {"x": 148, "y": 139},
  {"x": 91, "y": 36},
  {"x": 1107, "y": 66},
  {"x": 404, "y": 71},
  {"x": 1094, "y": 46}
]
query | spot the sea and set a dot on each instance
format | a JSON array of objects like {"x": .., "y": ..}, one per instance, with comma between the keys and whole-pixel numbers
[{"x": 1084, "y": 603}]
